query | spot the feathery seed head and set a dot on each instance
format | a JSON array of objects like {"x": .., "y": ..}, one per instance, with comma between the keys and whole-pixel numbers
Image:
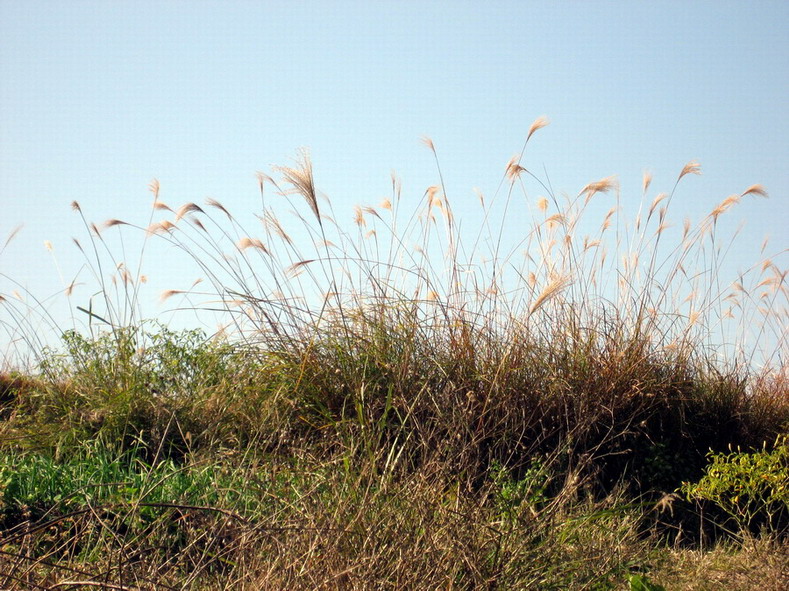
[
  {"x": 647, "y": 180},
  {"x": 480, "y": 196},
  {"x": 692, "y": 167},
  {"x": 11, "y": 235},
  {"x": 755, "y": 190},
  {"x": 724, "y": 205},
  {"x": 167, "y": 294},
  {"x": 302, "y": 180},
  {"x": 163, "y": 226},
  {"x": 358, "y": 216},
  {"x": 296, "y": 268},
  {"x": 262, "y": 178},
  {"x": 197, "y": 223},
  {"x": 114, "y": 222},
  {"x": 247, "y": 242},
  {"x": 187, "y": 208},
  {"x": 553, "y": 289},
  {"x": 431, "y": 194},
  {"x": 602, "y": 186},
  {"x": 214, "y": 203},
  {"x": 514, "y": 169},
  {"x": 660, "y": 197},
  {"x": 161, "y": 205},
  {"x": 539, "y": 123}
]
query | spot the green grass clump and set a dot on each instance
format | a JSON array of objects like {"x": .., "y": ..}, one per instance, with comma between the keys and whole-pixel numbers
[{"x": 403, "y": 405}]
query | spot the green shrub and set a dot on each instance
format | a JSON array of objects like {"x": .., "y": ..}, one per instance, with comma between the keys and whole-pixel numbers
[
  {"x": 751, "y": 488},
  {"x": 528, "y": 493}
]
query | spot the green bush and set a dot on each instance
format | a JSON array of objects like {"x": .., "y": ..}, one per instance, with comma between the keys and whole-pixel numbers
[
  {"x": 527, "y": 494},
  {"x": 751, "y": 488}
]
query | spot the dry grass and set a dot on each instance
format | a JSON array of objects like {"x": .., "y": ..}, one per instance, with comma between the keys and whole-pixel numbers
[
  {"x": 756, "y": 564},
  {"x": 404, "y": 404}
]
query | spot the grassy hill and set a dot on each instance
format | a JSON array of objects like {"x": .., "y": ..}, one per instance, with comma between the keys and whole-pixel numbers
[{"x": 404, "y": 406}]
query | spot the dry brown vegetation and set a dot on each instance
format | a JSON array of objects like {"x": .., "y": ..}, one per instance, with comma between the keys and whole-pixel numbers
[{"x": 402, "y": 404}]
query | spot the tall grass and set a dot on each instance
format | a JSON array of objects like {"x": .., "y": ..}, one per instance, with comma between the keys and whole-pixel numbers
[{"x": 519, "y": 407}]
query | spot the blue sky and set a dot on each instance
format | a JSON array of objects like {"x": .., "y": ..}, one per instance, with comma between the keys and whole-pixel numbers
[{"x": 98, "y": 98}]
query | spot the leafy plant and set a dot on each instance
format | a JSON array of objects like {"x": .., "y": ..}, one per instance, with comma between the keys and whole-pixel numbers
[
  {"x": 642, "y": 583},
  {"x": 751, "y": 488},
  {"x": 529, "y": 493}
]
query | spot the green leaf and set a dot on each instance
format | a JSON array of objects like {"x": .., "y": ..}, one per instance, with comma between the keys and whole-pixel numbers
[{"x": 642, "y": 583}]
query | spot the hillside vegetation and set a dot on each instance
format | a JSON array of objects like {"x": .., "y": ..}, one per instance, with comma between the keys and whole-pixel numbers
[{"x": 403, "y": 405}]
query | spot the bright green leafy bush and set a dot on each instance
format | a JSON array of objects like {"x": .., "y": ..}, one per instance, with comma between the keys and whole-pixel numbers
[{"x": 751, "y": 488}]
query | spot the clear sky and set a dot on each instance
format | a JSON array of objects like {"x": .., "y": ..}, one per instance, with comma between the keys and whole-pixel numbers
[{"x": 98, "y": 98}]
